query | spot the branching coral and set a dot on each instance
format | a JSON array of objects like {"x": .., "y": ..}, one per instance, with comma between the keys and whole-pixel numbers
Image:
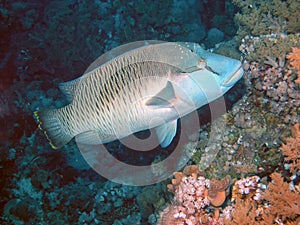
[
  {"x": 269, "y": 50},
  {"x": 277, "y": 204},
  {"x": 284, "y": 203},
  {"x": 294, "y": 58},
  {"x": 244, "y": 212},
  {"x": 291, "y": 150}
]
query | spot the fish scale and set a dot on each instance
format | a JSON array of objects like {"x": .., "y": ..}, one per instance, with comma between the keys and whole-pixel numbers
[{"x": 109, "y": 92}]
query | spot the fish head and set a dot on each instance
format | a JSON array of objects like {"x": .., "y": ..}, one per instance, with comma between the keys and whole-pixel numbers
[
  {"x": 212, "y": 77},
  {"x": 227, "y": 71}
]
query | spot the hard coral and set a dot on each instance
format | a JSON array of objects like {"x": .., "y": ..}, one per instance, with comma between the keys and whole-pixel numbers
[
  {"x": 189, "y": 201},
  {"x": 246, "y": 188},
  {"x": 269, "y": 50},
  {"x": 265, "y": 17},
  {"x": 272, "y": 80},
  {"x": 218, "y": 190},
  {"x": 192, "y": 195},
  {"x": 192, "y": 170}
]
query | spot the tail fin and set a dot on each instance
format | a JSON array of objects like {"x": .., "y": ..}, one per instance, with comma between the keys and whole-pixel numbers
[{"x": 52, "y": 127}]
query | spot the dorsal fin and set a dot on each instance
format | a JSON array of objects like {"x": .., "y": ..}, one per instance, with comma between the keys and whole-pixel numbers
[
  {"x": 120, "y": 50},
  {"x": 169, "y": 53},
  {"x": 68, "y": 88}
]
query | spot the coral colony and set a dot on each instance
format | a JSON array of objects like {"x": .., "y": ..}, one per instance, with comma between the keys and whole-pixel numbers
[{"x": 242, "y": 167}]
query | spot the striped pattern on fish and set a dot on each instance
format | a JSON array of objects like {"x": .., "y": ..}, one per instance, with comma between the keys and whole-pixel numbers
[{"x": 137, "y": 86}]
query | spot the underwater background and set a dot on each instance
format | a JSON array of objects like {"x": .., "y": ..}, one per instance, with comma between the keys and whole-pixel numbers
[{"x": 250, "y": 176}]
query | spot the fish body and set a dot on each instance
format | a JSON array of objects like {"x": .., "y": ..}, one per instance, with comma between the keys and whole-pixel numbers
[{"x": 138, "y": 86}]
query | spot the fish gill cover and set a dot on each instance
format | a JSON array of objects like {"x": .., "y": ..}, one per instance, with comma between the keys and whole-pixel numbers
[{"x": 44, "y": 43}]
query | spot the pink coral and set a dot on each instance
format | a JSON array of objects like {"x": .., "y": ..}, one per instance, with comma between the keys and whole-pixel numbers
[
  {"x": 190, "y": 194},
  {"x": 193, "y": 195},
  {"x": 247, "y": 187}
]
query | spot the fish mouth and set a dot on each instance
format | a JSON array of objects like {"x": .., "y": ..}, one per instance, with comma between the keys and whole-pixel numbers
[{"x": 234, "y": 78}]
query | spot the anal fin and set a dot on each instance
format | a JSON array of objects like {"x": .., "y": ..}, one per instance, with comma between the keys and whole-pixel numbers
[{"x": 89, "y": 137}]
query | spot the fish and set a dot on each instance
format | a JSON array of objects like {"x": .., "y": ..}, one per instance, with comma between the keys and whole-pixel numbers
[{"x": 138, "y": 86}]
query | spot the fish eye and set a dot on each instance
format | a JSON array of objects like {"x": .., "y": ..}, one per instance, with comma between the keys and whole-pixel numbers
[{"x": 201, "y": 64}]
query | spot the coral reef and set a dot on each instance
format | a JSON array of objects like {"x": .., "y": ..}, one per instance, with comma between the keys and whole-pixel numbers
[
  {"x": 291, "y": 150},
  {"x": 193, "y": 196},
  {"x": 269, "y": 50},
  {"x": 93, "y": 203},
  {"x": 284, "y": 202},
  {"x": 277, "y": 204},
  {"x": 258, "y": 123},
  {"x": 253, "y": 200},
  {"x": 272, "y": 80},
  {"x": 267, "y": 17},
  {"x": 294, "y": 58},
  {"x": 246, "y": 188},
  {"x": 65, "y": 36},
  {"x": 151, "y": 201}
]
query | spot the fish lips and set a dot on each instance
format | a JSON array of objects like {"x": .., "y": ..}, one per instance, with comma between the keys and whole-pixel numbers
[{"x": 235, "y": 77}]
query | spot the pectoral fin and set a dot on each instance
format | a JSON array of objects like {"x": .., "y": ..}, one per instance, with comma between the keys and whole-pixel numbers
[
  {"x": 164, "y": 98},
  {"x": 166, "y": 133}
]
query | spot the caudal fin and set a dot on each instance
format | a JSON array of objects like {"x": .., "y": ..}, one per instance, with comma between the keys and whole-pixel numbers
[{"x": 52, "y": 127}]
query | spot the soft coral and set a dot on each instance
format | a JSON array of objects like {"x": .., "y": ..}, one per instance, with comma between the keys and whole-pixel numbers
[{"x": 294, "y": 58}]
